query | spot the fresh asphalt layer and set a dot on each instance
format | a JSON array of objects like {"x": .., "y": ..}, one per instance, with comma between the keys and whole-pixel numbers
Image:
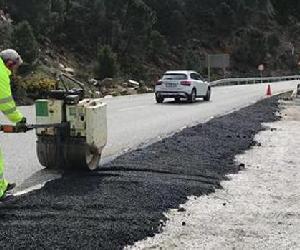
[{"x": 125, "y": 201}]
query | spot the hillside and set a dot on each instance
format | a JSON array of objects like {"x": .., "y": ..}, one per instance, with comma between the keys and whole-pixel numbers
[{"x": 141, "y": 38}]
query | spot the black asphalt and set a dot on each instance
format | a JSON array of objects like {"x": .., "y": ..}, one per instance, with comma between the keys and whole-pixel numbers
[{"x": 125, "y": 201}]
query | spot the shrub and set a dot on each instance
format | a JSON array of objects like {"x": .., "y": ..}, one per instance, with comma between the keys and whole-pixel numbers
[
  {"x": 36, "y": 83},
  {"x": 107, "y": 65},
  {"x": 157, "y": 45},
  {"x": 25, "y": 42},
  {"x": 5, "y": 35}
]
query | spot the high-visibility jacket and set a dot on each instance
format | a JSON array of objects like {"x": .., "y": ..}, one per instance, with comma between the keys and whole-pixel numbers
[{"x": 7, "y": 103}]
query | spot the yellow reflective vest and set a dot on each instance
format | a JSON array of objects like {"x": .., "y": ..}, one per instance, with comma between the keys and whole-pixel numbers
[{"x": 7, "y": 103}]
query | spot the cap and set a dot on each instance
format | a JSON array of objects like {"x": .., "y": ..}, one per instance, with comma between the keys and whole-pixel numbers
[{"x": 10, "y": 54}]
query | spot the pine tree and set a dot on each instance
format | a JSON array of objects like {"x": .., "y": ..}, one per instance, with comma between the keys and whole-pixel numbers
[
  {"x": 25, "y": 42},
  {"x": 107, "y": 65}
]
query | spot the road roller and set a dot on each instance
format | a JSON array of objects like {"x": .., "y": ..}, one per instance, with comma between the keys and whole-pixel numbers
[
  {"x": 79, "y": 133},
  {"x": 71, "y": 130}
]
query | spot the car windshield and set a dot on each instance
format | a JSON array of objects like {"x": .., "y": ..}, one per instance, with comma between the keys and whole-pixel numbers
[{"x": 174, "y": 77}]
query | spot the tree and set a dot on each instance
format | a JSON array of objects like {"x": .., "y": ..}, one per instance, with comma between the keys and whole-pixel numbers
[
  {"x": 225, "y": 19},
  {"x": 273, "y": 43},
  {"x": 191, "y": 60},
  {"x": 5, "y": 34},
  {"x": 107, "y": 65},
  {"x": 25, "y": 42},
  {"x": 36, "y": 12},
  {"x": 251, "y": 47},
  {"x": 177, "y": 27},
  {"x": 157, "y": 45}
]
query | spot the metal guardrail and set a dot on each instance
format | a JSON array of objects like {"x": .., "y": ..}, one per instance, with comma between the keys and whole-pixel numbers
[{"x": 253, "y": 80}]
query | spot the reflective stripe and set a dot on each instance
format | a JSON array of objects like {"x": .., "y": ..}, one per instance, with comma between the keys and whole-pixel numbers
[
  {"x": 5, "y": 100},
  {"x": 10, "y": 111}
]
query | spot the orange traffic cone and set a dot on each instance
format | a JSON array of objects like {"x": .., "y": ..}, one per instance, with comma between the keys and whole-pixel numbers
[{"x": 269, "y": 91}]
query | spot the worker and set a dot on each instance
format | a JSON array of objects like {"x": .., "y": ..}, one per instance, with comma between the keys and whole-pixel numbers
[{"x": 10, "y": 60}]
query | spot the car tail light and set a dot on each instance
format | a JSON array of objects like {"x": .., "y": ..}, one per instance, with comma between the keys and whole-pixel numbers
[
  {"x": 159, "y": 83},
  {"x": 186, "y": 83}
]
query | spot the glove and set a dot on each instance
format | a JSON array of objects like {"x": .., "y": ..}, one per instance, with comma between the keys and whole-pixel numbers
[{"x": 21, "y": 126}]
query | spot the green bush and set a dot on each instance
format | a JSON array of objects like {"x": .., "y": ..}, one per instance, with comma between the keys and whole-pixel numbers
[
  {"x": 5, "y": 35},
  {"x": 35, "y": 83},
  {"x": 273, "y": 42},
  {"x": 25, "y": 42},
  {"x": 107, "y": 65},
  {"x": 251, "y": 47},
  {"x": 157, "y": 45}
]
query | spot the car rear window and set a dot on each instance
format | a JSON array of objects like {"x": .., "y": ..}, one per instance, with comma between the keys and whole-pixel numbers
[{"x": 174, "y": 77}]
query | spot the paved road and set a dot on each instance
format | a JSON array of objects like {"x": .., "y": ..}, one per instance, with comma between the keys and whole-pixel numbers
[
  {"x": 132, "y": 121},
  {"x": 126, "y": 201}
]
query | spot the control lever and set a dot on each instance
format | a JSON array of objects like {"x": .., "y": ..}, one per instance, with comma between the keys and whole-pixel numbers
[{"x": 14, "y": 129}]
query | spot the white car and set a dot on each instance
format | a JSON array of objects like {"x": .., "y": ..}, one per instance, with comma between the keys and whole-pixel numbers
[{"x": 182, "y": 84}]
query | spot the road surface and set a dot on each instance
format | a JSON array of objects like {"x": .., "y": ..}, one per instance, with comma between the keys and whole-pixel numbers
[
  {"x": 126, "y": 201},
  {"x": 132, "y": 122}
]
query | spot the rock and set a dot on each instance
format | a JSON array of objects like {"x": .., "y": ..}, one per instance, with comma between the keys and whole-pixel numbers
[
  {"x": 115, "y": 93},
  {"x": 255, "y": 143},
  {"x": 142, "y": 90},
  {"x": 181, "y": 209},
  {"x": 107, "y": 83},
  {"x": 93, "y": 82},
  {"x": 61, "y": 66},
  {"x": 242, "y": 166},
  {"x": 131, "y": 91},
  {"x": 124, "y": 92},
  {"x": 70, "y": 71},
  {"x": 108, "y": 97},
  {"x": 132, "y": 83}
]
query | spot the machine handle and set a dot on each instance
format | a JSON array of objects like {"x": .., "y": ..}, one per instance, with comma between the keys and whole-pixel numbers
[
  {"x": 14, "y": 129},
  {"x": 8, "y": 129}
]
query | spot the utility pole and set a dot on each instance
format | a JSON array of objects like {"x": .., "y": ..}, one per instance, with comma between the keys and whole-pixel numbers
[{"x": 208, "y": 67}]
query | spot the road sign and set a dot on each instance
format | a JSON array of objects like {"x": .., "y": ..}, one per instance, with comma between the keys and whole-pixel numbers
[
  {"x": 218, "y": 61},
  {"x": 261, "y": 67}
]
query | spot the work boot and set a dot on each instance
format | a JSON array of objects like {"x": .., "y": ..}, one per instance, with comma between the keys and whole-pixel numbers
[
  {"x": 10, "y": 186},
  {"x": 5, "y": 198}
]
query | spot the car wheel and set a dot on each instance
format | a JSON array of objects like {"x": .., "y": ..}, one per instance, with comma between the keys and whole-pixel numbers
[
  {"x": 207, "y": 96},
  {"x": 192, "y": 96},
  {"x": 159, "y": 99},
  {"x": 177, "y": 99}
]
